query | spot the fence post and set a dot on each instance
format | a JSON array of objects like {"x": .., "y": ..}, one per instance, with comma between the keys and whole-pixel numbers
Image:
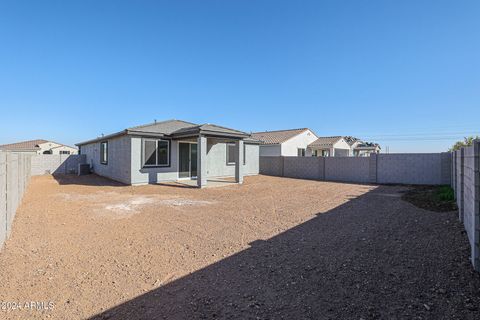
[
  {"x": 454, "y": 173},
  {"x": 460, "y": 184},
  {"x": 323, "y": 167},
  {"x": 476, "y": 206},
  {"x": 373, "y": 168}
]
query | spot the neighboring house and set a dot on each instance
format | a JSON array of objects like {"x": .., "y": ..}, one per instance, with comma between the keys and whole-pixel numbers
[
  {"x": 340, "y": 146},
  {"x": 173, "y": 150},
  {"x": 364, "y": 149},
  {"x": 330, "y": 147},
  {"x": 292, "y": 142},
  {"x": 39, "y": 146}
]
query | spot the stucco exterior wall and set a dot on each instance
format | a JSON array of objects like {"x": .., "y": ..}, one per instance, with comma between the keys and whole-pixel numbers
[
  {"x": 217, "y": 159},
  {"x": 55, "y": 148},
  {"x": 141, "y": 175},
  {"x": 216, "y": 162},
  {"x": 340, "y": 149},
  {"x": 118, "y": 167},
  {"x": 270, "y": 150},
  {"x": 302, "y": 140}
]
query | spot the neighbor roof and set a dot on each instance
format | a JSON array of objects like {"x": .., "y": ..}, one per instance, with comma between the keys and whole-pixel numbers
[
  {"x": 30, "y": 145},
  {"x": 175, "y": 129},
  {"x": 351, "y": 140},
  {"x": 368, "y": 146},
  {"x": 278, "y": 136},
  {"x": 325, "y": 142}
]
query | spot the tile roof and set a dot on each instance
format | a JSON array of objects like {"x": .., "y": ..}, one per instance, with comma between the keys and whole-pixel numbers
[
  {"x": 276, "y": 137},
  {"x": 325, "y": 142},
  {"x": 351, "y": 140},
  {"x": 23, "y": 145},
  {"x": 368, "y": 146}
]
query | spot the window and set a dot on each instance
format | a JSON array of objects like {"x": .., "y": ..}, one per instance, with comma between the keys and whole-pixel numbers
[
  {"x": 244, "y": 154},
  {"x": 315, "y": 153},
  {"x": 301, "y": 152},
  {"x": 230, "y": 153},
  {"x": 156, "y": 153},
  {"x": 104, "y": 152},
  {"x": 64, "y": 152}
]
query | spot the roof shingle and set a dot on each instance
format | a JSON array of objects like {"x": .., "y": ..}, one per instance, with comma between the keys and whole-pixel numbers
[
  {"x": 277, "y": 137},
  {"x": 23, "y": 145},
  {"x": 325, "y": 142}
]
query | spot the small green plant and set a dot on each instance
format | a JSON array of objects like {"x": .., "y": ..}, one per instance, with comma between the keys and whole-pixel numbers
[{"x": 445, "y": 193}]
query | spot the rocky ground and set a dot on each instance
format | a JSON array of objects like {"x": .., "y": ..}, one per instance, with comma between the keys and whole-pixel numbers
[{"x": 273, "y": 248}]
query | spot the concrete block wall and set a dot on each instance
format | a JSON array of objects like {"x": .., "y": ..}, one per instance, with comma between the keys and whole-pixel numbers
[
  {"x": 15, "y": 172},
  {"x": 348, "y": 169},
  {"x": 467, "y": 186},
  {"x": 302, "y": 167},
  {"x": 271, "y": 165},
  {"x": 434, "y": 169},
  {"x": 56, "y": 163},
  {"x": 414, "y": 168}
]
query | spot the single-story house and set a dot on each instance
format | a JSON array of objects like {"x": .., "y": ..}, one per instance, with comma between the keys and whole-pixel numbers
[
  {"x": 330, "y": 147},
  {"x": 364, "y": 149},
  {"x": 293, "y": 142},
  {"x": 342, "y": 146},
  {"x": 39, "y": 146},
  {"x": 173, "y": 150}
]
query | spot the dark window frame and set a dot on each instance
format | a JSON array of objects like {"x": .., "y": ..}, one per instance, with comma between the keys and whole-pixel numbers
[
  {"x": 302, "y": 152},
  {"x": 229, "y": 145},
  {"x": 103, "y": 146},
  {"x": 244, "y": 154},
  {"x": 156, "y": 165}
]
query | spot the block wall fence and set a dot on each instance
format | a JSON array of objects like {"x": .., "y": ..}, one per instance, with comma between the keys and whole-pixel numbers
[
  {"x": 414, "y": 168},
  {"x": 56, "y": 163},
  {"x": 465, "y": 182},
  {"x": 15, "y": 172}
]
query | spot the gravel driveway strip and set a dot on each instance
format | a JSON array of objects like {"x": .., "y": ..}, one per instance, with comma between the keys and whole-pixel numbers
[{"x": 274, "y": 248}]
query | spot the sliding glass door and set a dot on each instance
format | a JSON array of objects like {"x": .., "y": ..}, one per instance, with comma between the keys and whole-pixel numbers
[{"x": 187, "y": 160}]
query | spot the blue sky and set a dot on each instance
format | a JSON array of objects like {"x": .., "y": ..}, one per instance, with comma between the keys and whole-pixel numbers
[{"x": 403, "y": 73}]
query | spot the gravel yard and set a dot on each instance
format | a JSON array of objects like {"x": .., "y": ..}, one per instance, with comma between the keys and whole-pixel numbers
[{"x": 273, "y": 248}]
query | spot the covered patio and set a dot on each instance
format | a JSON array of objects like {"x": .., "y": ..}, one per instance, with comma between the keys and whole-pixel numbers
[{"x": 201, "y": 138}]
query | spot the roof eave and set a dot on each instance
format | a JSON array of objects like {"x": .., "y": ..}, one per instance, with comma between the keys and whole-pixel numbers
[{"x": 113, "y": 135}]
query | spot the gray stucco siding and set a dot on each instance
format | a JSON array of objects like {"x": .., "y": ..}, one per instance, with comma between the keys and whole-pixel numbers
[
  {"x": 119, "y": 161},
  {"x": 270, "y": 150},
  {"x": 145, "y": 175},
  {"x": 125, "y": 160},
  {"x": 217, "y": 159}
]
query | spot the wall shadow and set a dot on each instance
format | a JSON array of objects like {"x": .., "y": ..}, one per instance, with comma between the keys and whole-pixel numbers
[
  {"x": 86, "y": 180},
  {"x": 354, "y": 261}
]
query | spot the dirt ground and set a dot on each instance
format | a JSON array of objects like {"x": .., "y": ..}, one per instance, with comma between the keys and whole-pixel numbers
[{"x": 273, "y": 248}]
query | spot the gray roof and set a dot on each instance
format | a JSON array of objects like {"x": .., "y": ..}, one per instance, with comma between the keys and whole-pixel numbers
[
  {"x": 325, "y": 142},
  {"x": 164, "y": 127},
  {"x": 208, "y": 128},
  {"x": 176, "y": 129}
]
